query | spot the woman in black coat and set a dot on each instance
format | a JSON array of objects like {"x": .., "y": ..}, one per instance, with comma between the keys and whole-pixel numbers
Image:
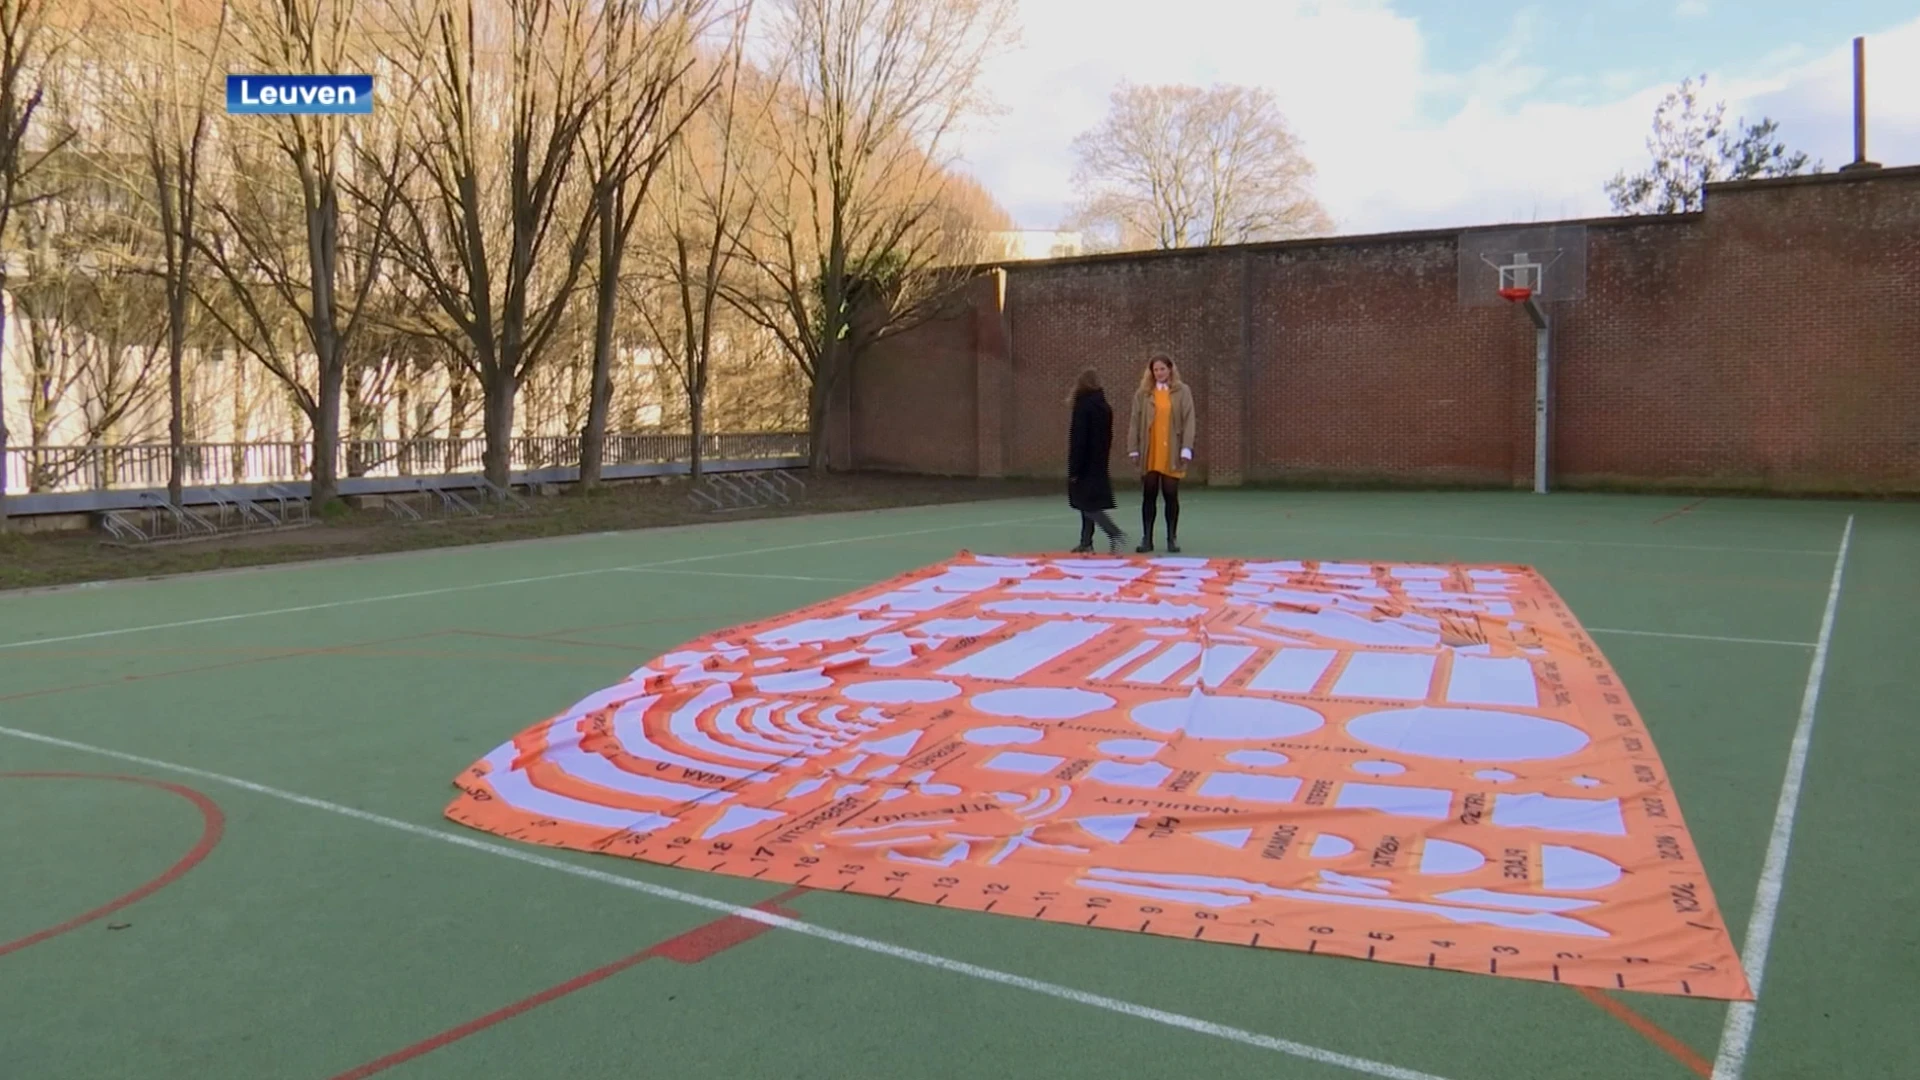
[{"x": 1089, "y": 445}]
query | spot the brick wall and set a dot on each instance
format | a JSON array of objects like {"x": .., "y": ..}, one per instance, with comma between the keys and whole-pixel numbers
[{"x": 1771, "y": 342}]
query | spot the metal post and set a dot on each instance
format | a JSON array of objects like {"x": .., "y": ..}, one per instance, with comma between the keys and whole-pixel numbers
[
  {"x": 1542, "y": 379},
  {"x": 1859, "y": 109},
  {"x": 1859, "y": 99}
]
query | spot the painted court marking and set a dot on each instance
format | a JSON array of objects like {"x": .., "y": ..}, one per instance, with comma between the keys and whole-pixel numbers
[
  {"x": 1179, "y": 1021},
  {"x": 691, "y": 947},
  {"x": 1737, "y": 1034},
  {"x": 210, "y": 619},
  {"x": 1647, "y": 1030},
  {"x": 757, "y": 577},
  {"x": 213, "y": 824},
  {"x": 1266, "y": 530},
  {"x": 1604, "y": 543},
  {"x": 866, "y": 581},
  {"x": 1701, "y": 637}
]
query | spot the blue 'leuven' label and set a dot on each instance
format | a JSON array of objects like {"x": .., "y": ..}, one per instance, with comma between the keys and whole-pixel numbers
[{"x": 291, "y": 94}]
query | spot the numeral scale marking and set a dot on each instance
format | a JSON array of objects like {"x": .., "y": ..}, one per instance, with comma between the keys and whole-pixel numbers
[{"x": 953, "y": 876}]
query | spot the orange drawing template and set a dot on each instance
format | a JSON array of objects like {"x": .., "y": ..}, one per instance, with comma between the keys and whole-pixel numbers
[{"x": 1415, "y": 764}]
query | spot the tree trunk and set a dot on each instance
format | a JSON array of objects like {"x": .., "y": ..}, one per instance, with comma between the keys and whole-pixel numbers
[
  {"x": 817, "y": 458},
  {"x": 3, "y": 395},
  {"x": 834, "y": 328},
  {"x": 40, "y": 376},
  {"x": 457, "y": 409},
  {"x": 324, "y": 480},
  {"x": 323, "y": 263},
  {"x": 697, "y": 418},
  {"x": 593, "y": 440},
  {"x": 357, "y": 426},
  {"x": 500, "y": 391},
  {"x": 409, "y": 424},
  {"x": 826, "y": 378},
  {"x": 41, "y": 400},
  {"x": 176, "y": 397},
  {"x": 242, "y": 416}
]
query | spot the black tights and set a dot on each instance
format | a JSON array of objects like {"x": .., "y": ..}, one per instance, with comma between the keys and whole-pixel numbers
[
  {"x": 1159, "y": 486},
  {"x": 1090, "y": 518}
]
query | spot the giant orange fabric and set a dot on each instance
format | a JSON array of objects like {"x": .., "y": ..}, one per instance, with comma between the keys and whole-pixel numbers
[{"x": 1411, "y": 764}]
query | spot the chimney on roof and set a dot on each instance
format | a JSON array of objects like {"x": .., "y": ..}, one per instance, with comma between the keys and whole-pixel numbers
[{"x": 1859, "y": 109}]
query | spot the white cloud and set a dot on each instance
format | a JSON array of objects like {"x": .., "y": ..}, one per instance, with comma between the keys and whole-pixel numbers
[
  {"x": 1690, "y": 9},
  {"x": 1353, "y": 79},
  {"x": 1813, "y": 100}
]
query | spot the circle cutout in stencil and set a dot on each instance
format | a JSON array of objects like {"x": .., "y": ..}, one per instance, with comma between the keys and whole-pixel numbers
[
  {"x": 1467, "y": 734},
  {"x": 1002, "y": 736},
  {"x": 901, "y": 691},
  {"x": 1223, "y": 716},
  {"x": 1132, "y": 748},
  {"x": 1041, "y": 702}
]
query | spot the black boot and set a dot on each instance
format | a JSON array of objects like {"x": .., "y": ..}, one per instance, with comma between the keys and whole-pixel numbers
[
  {"x": 1173, "y": 545},
  {"x": 1146, "y": 544}
]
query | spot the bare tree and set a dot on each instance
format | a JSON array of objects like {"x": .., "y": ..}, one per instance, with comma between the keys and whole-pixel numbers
[
  {"x": 62, "y": 295},
  {"x": 88, "y": 300},
  {"x": 754, "y": 387},
  {"x": 695, "y": 238},
  {"x": 630, "y": 134},
  {"x": 850, "y": 209},
  {"x": 288, "y": 250},
  {"x": 173, "y": 58},
  {"x": 1179, "y": 166},
  {"x": 500, "y": 238},
  {"x": 27, "y": 48},
  {"x": 1692, "y": 146}
]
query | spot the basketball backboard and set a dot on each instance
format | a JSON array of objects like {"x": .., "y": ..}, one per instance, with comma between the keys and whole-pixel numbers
[{"x": 1549, "y": 260}]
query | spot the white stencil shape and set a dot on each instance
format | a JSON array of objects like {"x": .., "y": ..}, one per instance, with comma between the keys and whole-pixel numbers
[
  {"x": 893, "y": 745},
  {"x": 1112, "y": 828},
  {"x": 1447, "y": 857},
  {"x": 1233, "y": 838}
]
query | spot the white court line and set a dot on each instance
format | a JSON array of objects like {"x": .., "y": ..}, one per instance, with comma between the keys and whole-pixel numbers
[
  {"x": 759, "y": 577},
  {"x": 1737, "y": 1034},
  {"x": 4, "y": 646},
  {"x": 1194, "y": 530},
  {"x": 780, "y": 922},
  {"x": 1590, "y": 629},
  {"x": 1608, "y": 543},
  {"x": 1701, "y": 637},
  {"x": 866, "y": 581}
]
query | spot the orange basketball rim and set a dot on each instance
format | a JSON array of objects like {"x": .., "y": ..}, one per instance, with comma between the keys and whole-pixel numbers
[{"x": 1428, "y": 765}]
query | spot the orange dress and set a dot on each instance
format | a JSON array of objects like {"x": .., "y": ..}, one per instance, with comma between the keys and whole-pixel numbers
[{"x": 1159, "y": 442}]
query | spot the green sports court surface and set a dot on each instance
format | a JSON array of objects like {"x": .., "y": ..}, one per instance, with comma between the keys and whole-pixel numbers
[{"x": 224, "y": 854}]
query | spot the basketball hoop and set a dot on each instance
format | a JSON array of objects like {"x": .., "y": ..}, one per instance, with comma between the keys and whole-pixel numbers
[{"x": 1516, "y": 293}]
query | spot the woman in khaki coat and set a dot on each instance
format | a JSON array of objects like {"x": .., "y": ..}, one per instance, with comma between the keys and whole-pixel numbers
[{"x": 1160, "y": 436}]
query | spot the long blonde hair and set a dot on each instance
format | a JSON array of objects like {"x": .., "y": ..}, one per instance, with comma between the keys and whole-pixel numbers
[{"x": 1146, "y": 376}]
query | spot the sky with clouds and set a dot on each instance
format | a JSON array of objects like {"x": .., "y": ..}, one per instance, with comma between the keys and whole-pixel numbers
[{"x": 1434, "y": 113}]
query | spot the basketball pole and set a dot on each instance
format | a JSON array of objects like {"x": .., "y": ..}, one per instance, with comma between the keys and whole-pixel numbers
[{"x": 1541, "y": 372}]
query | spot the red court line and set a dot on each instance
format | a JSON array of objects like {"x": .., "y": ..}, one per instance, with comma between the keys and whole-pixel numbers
[
  {"x": 1682, "y": 510},
  {"x": 700, "y": 943},
  {"x": 213, "y": 824},
  {"x": 1648, "y": 1030}
]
